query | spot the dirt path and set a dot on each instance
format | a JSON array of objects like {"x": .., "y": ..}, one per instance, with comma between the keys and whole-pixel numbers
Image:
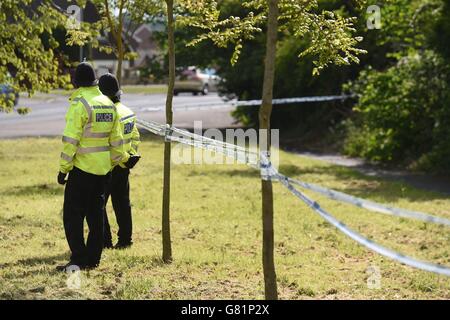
[{"x": 421, "y": 181}]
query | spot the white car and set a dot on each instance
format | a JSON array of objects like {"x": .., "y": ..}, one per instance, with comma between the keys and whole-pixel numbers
[{"x": 196, "y": 81}]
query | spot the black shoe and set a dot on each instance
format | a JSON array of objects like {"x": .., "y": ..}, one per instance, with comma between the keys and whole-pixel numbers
[
  {"x": 123, "y": 245},
  {"x": 108, "y": 245}
]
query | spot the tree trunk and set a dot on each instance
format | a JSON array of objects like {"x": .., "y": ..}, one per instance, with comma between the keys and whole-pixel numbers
[
  {"x": 119, "y": 61},
  {"x": 117, "y": 35},
  {"x": 166, "y": 241},
  {"x": 270, "y": 278},
  {"x": 119, "y": 39}
]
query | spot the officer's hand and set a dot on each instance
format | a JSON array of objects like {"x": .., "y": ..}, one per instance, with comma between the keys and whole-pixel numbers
[
  {"x": 132, "y": 161},
  {"x": 62, "y": 178}
]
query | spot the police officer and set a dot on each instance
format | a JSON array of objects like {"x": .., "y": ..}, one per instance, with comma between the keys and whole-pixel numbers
[
  {"x": 119, "y": 186},
  {"x": 92, "y": 145}
]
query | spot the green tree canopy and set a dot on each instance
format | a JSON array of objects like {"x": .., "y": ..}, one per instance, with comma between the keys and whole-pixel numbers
[
  {"x": 402, "y": 112},
  {"x": 29, "y": 59}
]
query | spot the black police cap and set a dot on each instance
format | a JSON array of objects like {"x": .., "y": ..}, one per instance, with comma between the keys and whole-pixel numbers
[
  {"x": 109, "y": 85},
  {"x": 85, "y": 75}
]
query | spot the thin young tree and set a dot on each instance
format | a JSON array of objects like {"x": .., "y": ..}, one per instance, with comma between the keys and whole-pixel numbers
[
  {"x": 166, "y": 239},
  {"x": 331, "y": 41},
  {"x": 191, "y": 10},
  {"x": 120, "y": 18},
  {"x": 270, "y": 277},
  {"x": 116, "y": 28}
]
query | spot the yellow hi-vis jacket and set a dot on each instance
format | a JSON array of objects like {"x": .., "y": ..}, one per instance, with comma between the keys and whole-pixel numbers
[
  {"x": 131, "y": 138},
  {"x": 92, "y": 139}
]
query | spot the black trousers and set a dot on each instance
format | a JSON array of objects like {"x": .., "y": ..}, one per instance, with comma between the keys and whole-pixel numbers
[
  {"x": 84, "y": 197},
  {"x": 119, "y": 189}
]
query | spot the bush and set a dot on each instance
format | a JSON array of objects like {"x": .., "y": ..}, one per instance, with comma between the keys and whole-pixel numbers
[{"x": 403, "y": 114}]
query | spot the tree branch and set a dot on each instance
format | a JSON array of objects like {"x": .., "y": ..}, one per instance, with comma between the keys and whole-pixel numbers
[{"x": 110, "y": 22}]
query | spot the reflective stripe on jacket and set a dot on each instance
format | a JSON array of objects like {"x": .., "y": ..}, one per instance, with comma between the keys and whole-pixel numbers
[
  {"x": 92, "y": 138},
  {"x": 131, "y": 137}
]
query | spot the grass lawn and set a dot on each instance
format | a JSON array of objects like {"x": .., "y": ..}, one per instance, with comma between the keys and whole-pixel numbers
[
  {"x": 216, "y": 230},
  {"x": 146, "y": 89}
]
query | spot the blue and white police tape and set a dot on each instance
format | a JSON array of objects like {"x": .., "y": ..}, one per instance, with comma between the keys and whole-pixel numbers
[
  {"x": 293, "y": 100},
  {"x": 370, "y": 205},
  {"x": 152, "y": 126},
  {"x": 247, "y": 103},
  {"x": 394, "y": 255},
  {"x": 239, "y": 153},
  {"x": 176, "y": 133},
  {"x": 243, "y": 155},
  {"x": 358, "y": 202},
  {"x": 268, "y": 172},
  {"x": 162, "y": 130}
]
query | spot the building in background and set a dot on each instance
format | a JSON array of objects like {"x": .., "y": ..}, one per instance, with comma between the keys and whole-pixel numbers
[
  {"x": 137, "y": 39},
  {"x": 141, "y": 42}
]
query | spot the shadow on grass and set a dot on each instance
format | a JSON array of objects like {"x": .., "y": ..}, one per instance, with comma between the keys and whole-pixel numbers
[
  {"x": 59, "y": 259},
  {"x": 38, "y": 189},
  {"x": 149, "y": 136},
  {"x": 377, "y": 188},
  {"x": 25, "y": 221},
  {"x": 245, "y": 173},
  {"x": 34, "y": 261},
  {"x": 384, "y": 190}
]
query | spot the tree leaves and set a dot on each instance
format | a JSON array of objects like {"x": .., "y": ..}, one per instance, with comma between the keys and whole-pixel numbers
[
  {"x": 331, "y": 40},
  {"x": 28, "y": 61},
  {"x": 331, "y": 35},
  {"x": 205, "y": 15}
]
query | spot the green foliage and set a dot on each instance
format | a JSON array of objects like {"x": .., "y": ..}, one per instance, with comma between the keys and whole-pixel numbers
[
  {"x": 153, "y": 71},
  {"x": 403, "y": 113},
  {"x": 317, "y": 34},
  {"x": 205, "y": 15},
  {"x": 330, "y": 34},
  {"x": 292, "y": 79},
  {"x": 133, "y": 14},
  {"x": 406, "y": 24},
  {"x": 29, "y": 57},
  {"x": 441, "y": 31}
]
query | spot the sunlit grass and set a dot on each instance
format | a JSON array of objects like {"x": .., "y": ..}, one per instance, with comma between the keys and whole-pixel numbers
[{"x": 216, "y": 233}]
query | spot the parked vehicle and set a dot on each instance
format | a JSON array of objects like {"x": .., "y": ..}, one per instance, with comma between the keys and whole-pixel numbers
[
  {"x": 196, "y": 80},
  {"x": 8, "y": 91}
]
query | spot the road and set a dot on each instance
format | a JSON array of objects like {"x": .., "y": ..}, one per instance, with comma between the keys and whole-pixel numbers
[{"x": 47, "y": 115}]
